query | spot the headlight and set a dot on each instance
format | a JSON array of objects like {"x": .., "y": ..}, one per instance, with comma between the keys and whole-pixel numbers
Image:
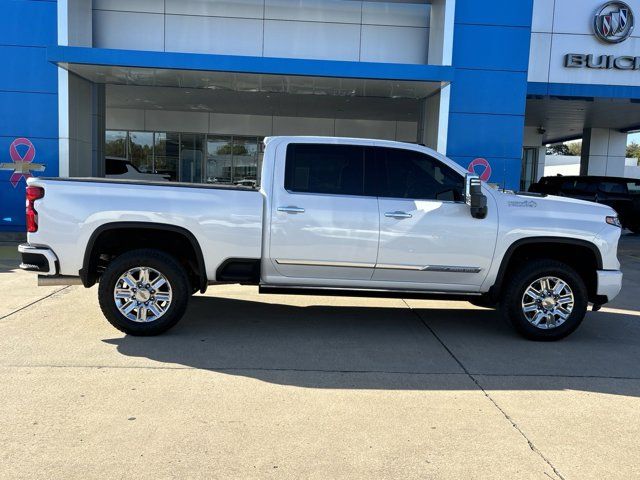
[{"x": 615, "y": 221}]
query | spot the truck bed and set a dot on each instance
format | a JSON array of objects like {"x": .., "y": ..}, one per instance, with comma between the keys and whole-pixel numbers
[{"x": 225, "y": 220}]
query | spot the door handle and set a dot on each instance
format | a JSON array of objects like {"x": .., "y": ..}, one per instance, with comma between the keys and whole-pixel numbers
[
  {"x": 398, "y": 214},
  {"x": 291, "y": 209}
]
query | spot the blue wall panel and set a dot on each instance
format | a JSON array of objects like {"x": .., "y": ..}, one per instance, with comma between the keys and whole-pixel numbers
[
  {"x": 28, "y": 97},
  {"x": 491, "y": 48},
  {"x": 26, "y": 114},
  {"x": 584, "y": 90},
  {"x": 485, "y": 135},
  {"x": 20, "y": 63},
  {"x": 485, "y": 91},
  {"x": 11, "y": 209},
  {"x": 498, "y": 12},
  {"x": 488, "y": 94},
  {"x": 28, "y": 22}
]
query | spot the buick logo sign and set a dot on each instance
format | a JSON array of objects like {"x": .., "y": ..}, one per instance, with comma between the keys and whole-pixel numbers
[{"x": 613, "y": 22}]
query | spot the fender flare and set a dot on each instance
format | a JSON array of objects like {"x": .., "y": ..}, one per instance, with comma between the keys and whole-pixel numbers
[
  {"x": 89, "y": 279},
  {"x": 541, "y": 240}
]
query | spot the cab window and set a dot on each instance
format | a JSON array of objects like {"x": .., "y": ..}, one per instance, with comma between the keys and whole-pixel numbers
[
  {"x": 325, "y": 168},
  {"x": 585, "y": 187},
  {"x": 412, "y": 174},
  {"x": 613, "y": 187}
]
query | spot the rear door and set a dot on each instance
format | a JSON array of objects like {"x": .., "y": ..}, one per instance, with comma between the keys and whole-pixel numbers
[
  {"x": 324, "y": 218},
  {"x": 427, "y": 234}
]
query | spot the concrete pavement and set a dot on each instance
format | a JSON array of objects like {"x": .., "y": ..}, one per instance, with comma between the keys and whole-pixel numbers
[{"x": 250, "y": 386}]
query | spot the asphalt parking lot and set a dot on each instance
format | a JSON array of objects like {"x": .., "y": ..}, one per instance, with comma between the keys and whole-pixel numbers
[{"x": 250, "y": 386}]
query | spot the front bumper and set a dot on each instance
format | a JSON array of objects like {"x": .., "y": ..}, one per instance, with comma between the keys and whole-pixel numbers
[
  {"x": 609, "y": 283},
  {"x": 38, "y": 259}
]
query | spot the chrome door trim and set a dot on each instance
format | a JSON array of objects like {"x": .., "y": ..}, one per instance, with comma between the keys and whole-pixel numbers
[
  {"x": 431, "y": 268},
  {"x": 451, "y": 269},
  {"x": 320, "y": 263},
  {"x": 386, "y": 266}
]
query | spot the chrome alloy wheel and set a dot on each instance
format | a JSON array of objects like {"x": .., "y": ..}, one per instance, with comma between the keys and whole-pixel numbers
[
  {"x": 142, "y": 294},
  {"x": 547, "y": 302}
]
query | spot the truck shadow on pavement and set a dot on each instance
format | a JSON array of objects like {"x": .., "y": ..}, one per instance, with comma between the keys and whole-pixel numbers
[{"x": 345, "y": 347}]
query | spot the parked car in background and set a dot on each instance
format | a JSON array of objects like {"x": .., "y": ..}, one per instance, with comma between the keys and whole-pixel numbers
[
  {"x": 247, "y": 182},
  {"x": 621, "y": 194},
  {"x": 121, "y": 168}
]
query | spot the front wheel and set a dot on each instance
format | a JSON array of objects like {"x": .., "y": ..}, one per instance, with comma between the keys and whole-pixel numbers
[
  {"x": 144, "y": 292},
  {"x": 545, "y": 300}
]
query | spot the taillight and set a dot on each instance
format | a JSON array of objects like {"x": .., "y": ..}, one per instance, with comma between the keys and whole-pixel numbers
[{"x": 33, "y": 194}]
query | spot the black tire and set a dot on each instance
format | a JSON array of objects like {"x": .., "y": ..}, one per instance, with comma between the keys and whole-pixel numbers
[
  {"x": 517, "y": 284},
  {"x": 169, "y": 267}
]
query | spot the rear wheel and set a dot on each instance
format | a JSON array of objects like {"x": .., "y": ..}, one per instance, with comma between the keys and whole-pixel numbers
[
  {"x": 545, "y": 300},
  {"x": 144, "y": 292}
]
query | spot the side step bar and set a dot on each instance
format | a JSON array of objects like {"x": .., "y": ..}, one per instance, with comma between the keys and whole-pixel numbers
[
  {"x": 346, "y": 292},
  {"x": 53, "y": 280}
]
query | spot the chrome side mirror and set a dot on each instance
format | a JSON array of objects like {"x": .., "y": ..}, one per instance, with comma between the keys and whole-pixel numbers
[{"x": 474, "y": 197}]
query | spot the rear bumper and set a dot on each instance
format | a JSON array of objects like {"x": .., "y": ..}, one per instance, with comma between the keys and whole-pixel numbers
[
  {"x": 38, "y": 259},
  {"x": 609, "y": 283}
]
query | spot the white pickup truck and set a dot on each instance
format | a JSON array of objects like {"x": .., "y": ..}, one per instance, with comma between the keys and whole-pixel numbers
[{"x": 332, "y": 216}]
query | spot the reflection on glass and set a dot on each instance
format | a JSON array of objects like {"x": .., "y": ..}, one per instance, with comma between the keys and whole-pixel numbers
[
  {"x": 219, "y": 160},
  {"x": 166, "y": 154},
  {"x": 245, "y": 160},
  {"x": 191, "y": 156},
  {"x": 228, "y": 159},
  {"x": 529, "y": 171},
  {"x": 233, "y": 160},
  {"x": 115, "y": 144},
  {"x": 141, "y": 150}
]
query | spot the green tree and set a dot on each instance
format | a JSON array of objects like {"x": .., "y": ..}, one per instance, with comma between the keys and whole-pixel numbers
[
  {"x": 575, "y": 148},
  {"x": 633, "y": 151},
  {"x": 558, "y": 149}
]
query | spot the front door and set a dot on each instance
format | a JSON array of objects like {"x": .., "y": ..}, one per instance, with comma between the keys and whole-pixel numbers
[
  {"x": 323, "y": 223},
  {"x": 427, "y": 234}
]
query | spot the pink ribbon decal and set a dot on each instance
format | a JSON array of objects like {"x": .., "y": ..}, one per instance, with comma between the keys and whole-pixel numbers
[{"x": 21, "y": 169}]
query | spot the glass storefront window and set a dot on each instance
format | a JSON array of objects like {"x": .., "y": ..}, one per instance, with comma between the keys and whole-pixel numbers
[
  {"x": 166, "y": 154},
  {"x": 191, "y": 155},
  {"x": 141, "y": 151},
  {"x": 245, "y": 160},
  {"x": 529, "y": 171},
  {"x": 219, "y": 160},
  {"x": 115, "y": 144}
]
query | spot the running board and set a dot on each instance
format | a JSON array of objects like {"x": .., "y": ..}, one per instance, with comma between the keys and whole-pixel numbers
[
  {"x": 55, "y": 280},
  {"x": 346, "y": 292}
]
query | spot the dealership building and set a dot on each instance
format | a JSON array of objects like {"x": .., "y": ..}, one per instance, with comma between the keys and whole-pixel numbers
[{"x": 189, "y": 88}]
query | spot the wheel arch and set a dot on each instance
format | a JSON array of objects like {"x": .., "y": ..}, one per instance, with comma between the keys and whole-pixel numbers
[
  {"x": 89, "y": 273},
  {"x": 568, "y": 250}
]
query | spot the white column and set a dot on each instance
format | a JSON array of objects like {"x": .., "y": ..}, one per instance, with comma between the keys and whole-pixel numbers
[
  {"x": 433, "y": 120},
  {"x": 441, "y": 32},
  {"x": 603, "y": 152},
  {"x": 74, "y": 29}
]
